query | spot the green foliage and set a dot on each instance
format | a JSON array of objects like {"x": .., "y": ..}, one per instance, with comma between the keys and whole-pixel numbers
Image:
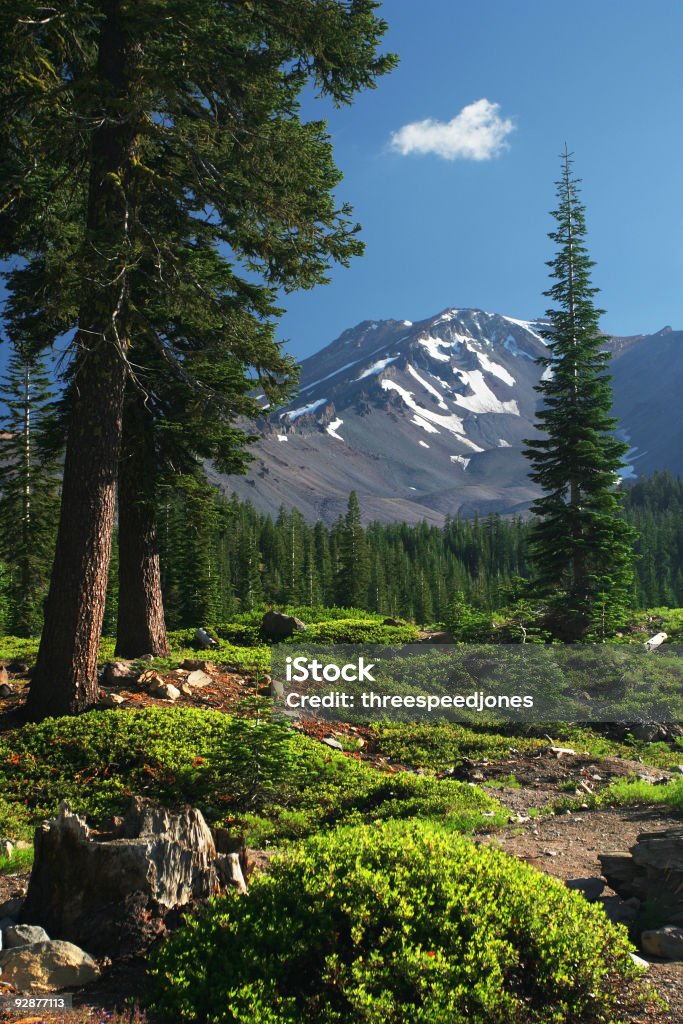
[
  {"x": 248, "y": 772},
  {"x": 632, "y": 793},
  {"x": 28, "y": 490},
  {"x": 20, "y": 861},
  {"x": 439, "y": 745},
  {"x": 582, "y": 546},
  {"x": 396, "y": 923}
]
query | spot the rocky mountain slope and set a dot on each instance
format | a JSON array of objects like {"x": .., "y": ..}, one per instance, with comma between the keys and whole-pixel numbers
[{"x": 427, "y": 419}]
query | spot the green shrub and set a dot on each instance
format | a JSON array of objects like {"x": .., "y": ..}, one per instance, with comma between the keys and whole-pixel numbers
[
  {"x": 357, "y": 631},
  {"x": 396, "y": 923},
  {"x": 262, "y": 779}
]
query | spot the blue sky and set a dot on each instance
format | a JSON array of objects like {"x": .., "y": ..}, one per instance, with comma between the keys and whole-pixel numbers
[{"x": 602, "y": 75}]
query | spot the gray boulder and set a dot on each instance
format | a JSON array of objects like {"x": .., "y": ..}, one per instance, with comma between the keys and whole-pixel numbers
[{"x": 591, "y": 888}]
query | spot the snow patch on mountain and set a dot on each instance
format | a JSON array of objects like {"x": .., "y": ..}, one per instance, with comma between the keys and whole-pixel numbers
[
  {"x": 482, "y": 399},
  {"x": 427, "y": 386},
  {"x": 433, "y": 347},
  {"x": 462, "y": 459},
  {"x": 377, "y": 367},
  {"x": 452, "y": 422},
  {"x": 419, "y": 422},
  {"x": 294, "y": 414},
  {"x": 333, "y": 427},
  {"x": 496, "y": 369}
]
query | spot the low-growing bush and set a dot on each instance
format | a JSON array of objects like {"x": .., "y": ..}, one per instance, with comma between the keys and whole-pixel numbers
[
  {"x": 259, "y": 778},
  {"x": 396, "y": 923},
  {"x": 357, "y": 631}
]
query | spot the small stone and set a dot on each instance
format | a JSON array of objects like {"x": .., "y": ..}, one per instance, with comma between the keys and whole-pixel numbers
[
  {"x": 167, "y": 691},
  {"x": 152, "y": 680},
  {"x": 665, "y": 943},
  {"x": 591, "y": 888},
  {"x": 24, "y": 935},
  {"x": 192, "y": 664},
  {"x": 7, "y": 847},
  {"x": 47, "y": 967},
  {"x": 5, "y": 690},
  {"x": 199, "y": 679},
  {"x": 332, "y": 742},
  {"x": 112, "y": 700},
  {"x": 639, "y": 962},
  {"x": 679, "y": 769},
  {"x": 620, "y": 911}
]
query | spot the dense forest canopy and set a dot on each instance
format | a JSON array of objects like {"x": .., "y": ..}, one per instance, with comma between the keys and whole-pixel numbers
[{"x": 220, "y": 556}]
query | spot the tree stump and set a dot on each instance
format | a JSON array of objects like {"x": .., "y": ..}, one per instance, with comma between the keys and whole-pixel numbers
[{"x": 114, "y": 895}]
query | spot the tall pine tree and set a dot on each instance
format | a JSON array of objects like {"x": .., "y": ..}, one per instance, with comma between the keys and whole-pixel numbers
[
  {"x": 582, "y": 547},
  {"x": 29, "y": 490},
  {"x": 131, "y": 146}
]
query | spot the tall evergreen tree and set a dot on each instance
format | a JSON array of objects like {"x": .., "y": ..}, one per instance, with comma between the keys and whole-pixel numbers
[
  {"x": 353, "y": 572},
  {"x": 29, "y": 489},
  {"x": 134, "y": 139},
  {"x": 582, "y": 547}
]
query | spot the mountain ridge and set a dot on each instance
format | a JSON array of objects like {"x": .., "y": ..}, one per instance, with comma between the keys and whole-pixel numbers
[{"x": 427, "y": 419}]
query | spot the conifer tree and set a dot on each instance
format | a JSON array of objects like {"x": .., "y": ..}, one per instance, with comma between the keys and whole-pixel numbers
[
  {"x": 582, "y": 547},
  {"x": 29, "y": 490},
  {"x": 135, "y": 140},
  {"x": 353, "y": 572}
]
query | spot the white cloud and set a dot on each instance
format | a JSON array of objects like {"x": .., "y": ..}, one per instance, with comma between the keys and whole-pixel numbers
[{"x": 478, "y": 132}]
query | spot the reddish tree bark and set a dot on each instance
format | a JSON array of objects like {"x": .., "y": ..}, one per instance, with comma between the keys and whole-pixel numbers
[
  {"x": 141, "y": 628},
  {"x": 65, "y": 677}
]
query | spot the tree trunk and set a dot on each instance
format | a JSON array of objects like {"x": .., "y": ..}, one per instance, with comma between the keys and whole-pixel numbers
[
  {"x": 65, "y": 677},
  {"x": 141, "y": 628}
]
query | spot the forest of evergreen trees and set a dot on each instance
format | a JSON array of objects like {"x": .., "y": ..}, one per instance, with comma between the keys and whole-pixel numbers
[{"x": 221, "y": 556}]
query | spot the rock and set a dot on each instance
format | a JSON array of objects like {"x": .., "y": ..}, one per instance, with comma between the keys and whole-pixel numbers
[
  {"x": 116, "y": 671},
  {"x": 653, "y": 871},
  {"x": 5, "y": 690},
  {"x": 278, "y": 626},
  {"x": 393, "y": 622},
  {"x": 7, "y": 848},
  {"x": 591, "y": 888},
  {"x": 332, "y": 742},
  {"x": 198, "y": 679},
  {"x": 115, "y": 897},
  {"x": 620, "y": 911},
  {"x": 24, "y": 935},
  {"x": 679, "y": 769},
  {"x": 167, "y": 691},
  {"x": 562, "y": 751},
  {"x": 193, "y": 665},
  {"x": 4, "y": 678},
  {"x": 151, "y": 680},
  {"x": 665, "y": 943},
  {"x": 47, "y": 967},
  {"x": 112, "y": 700},
  {"x": 645, "y": 731},
  {"x": 639, "y": 962},
  {"x": 203, "y": 640},
  {"x": 11, "y": 908}
]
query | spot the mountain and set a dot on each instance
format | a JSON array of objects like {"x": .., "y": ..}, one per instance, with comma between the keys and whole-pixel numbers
[{"x": 427, "y": 419}]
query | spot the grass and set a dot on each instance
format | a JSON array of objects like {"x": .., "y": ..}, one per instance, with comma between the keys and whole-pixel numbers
[
  {"x": 629, "y": 793},
  {"x": 20, "y": 861}
]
